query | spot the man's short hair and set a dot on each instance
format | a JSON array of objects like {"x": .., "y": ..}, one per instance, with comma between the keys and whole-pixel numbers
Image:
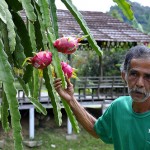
[{"x": 139, "y": 51}]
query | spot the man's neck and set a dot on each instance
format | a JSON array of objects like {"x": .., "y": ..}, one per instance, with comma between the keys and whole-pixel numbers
[{"x": 141, "y": 107}]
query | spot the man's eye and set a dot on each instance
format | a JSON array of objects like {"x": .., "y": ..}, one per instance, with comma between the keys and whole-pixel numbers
[
  {"x": 147, "y": 77},
  {"x": 133, "y": 74}
]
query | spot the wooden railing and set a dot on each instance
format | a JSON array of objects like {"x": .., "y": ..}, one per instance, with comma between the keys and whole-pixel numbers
[
  {"x": 88, "y": 90},
  {"x": 100, "y": 88}
]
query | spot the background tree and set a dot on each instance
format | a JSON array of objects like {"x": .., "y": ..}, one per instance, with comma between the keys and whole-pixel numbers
[{"x": 141, "y": 14}]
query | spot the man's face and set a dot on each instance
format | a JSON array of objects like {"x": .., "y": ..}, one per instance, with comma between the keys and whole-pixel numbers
[{"x": 138, "y": 79}]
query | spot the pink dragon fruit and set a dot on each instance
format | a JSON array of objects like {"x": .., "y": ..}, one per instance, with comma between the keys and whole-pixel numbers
[
  {"x": 67, "y": 45},
  {"x": 67, "y": 69},
  {"x": 41, "y": 60}
]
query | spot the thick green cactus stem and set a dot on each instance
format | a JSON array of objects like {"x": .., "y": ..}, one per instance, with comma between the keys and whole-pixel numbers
[
  {"x": 79, "y": 18},
  {"x": 10, "y": 91},
  {"x": 10, "y": 25},
  {"x": 126, "y": 8},
  {"x": 29, "y": 9},
  {"x": 55, "y": 100}
]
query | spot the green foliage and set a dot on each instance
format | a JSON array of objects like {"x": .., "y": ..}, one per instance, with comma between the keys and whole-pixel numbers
[
  {"x": 10, "y": 98},
  {"x": 29, "y": 9},
  {"x": 15, "y": 5},
  {"x": 113, "y": 60},
  {"x": 20, "y": 38},
  {"x": 90, "y": 63},
  {"x": 10, "y": 26},
  {"x": 82, "y": 23},
  {"x": 126, "y": 8},
  {"x": 141, "y": 16},
  {"x": 5, "y": 113},
  {"x": 55, "y": 99}
]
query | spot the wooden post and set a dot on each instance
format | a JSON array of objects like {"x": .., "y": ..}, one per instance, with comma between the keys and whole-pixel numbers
[
  {"x": 31, "y": 123},
  {"x": 69, "y": 126}
]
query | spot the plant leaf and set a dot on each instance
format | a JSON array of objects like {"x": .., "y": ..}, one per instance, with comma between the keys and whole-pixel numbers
[
  {"x": 44, "y": 9},
  {"x": 2, "y": 14},
  {"x": 26, "y": 43},
  {"x": 36, "y": 86},
  {"x": 41, "y": 39},
  {"x": 4, "y": 66},
  {"x": 34, "y": 101},
  {"x": 32, "y": 35},
  {"x": 10, "y": 91},
  {"x": 23, "y": 85},
  {"x": 54, "y": 17},
  {"x": 18, "y": 54},
  {"x": 126, "y": 8},
  {"x": 15, "y": 5},
  {"x": 79, "y": 18},
  {"x": 29, "y": 9},
  {"x": 59, "y": 72},
  {"x": 55, "y": 100},
  {"x": 5, "y": 39},
  {"x": 38, "y": 105},
  {"x": 137, "y": 25},
  {"x": 10, "y": 26},
  {"x": 4, "y": 113}
]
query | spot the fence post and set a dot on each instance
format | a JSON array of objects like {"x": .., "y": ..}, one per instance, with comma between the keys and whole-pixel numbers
[
  {"x": 31, "y": 123},
  {"x": 69, "y": 126}
]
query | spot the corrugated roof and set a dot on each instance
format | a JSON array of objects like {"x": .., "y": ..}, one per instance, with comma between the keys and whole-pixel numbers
[{"x": 103, "y": 27}]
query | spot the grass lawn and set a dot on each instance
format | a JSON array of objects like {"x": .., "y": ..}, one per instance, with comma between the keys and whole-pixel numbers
[
  {"x": 54, "y": 137},
  {"x": 84, "y": 141}
]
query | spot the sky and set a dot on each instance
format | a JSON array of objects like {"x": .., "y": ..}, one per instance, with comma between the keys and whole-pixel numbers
[{"x": 96, "y": 5}]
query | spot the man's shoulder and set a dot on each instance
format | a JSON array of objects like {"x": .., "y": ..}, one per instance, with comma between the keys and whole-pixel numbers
[
  {"x": 122, "y": 104},
  {"x": 122, "y": 100}
]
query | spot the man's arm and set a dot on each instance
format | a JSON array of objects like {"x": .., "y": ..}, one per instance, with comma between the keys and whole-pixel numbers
[{"x": 83, "y": 117}]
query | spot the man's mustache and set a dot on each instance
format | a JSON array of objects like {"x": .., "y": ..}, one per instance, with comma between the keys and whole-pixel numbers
[{"x": 137, "y": 90}]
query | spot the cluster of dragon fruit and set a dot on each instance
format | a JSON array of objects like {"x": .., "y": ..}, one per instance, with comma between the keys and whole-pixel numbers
[{"x": 65, "y": 45}]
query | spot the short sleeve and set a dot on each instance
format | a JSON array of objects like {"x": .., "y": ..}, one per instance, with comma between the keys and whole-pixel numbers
[{"x": 103, "y": 126}]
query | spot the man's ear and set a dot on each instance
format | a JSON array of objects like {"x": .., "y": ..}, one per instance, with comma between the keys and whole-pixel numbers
[{"x": 123, "y": 76}]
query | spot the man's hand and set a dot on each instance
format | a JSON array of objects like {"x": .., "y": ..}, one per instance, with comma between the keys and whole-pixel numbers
[
  {"x": 67, "y": 93},
  {"x": 85, "y": 119}
]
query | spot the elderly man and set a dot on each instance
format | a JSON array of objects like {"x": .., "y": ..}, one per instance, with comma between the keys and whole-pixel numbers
[{"x": 126, "y": 123}]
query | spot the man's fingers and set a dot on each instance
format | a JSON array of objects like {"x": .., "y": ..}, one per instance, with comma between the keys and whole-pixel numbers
[
  {"x": 57, "y": 88},
  {"x": 57, "y": 83},
  {"x": 67, "y": 80}
]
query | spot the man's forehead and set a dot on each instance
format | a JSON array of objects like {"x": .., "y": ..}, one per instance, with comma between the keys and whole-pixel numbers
[
  {"x": 140, "y": 64},
  {"x": 140, "y": 61}
]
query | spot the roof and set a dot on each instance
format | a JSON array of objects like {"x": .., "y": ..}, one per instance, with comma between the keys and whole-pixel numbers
[{"x": 102, "y": 26}]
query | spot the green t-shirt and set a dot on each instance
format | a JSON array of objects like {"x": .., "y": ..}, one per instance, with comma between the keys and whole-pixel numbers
[{"x": 124, "y": 128}]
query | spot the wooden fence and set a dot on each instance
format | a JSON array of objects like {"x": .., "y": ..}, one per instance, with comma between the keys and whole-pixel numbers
[
  {"x": 99, "y": 88},
  {"x": 88, "y": 91}
]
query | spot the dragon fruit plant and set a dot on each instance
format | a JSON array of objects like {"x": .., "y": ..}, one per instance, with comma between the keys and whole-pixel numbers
[
  {"x": 68, "y": 70},
  {"x": 41, "y": 59},
  {"x": 20, "y": 36},
  {"x": 68, "y": 45}
]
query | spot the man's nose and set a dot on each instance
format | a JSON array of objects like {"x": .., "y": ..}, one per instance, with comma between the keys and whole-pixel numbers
[{"x": 140, "y": 82}]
